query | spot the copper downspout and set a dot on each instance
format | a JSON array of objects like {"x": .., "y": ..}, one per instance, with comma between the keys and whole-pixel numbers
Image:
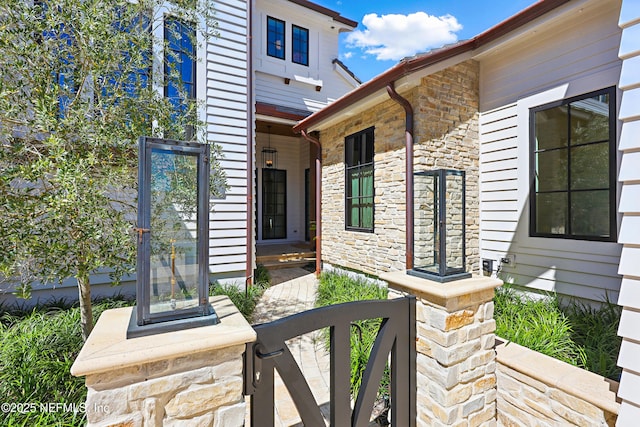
[
  {"x": 318, "y": 199},
  {"x": 408, "y": 133},
  {"x": 250, "y": 124}
]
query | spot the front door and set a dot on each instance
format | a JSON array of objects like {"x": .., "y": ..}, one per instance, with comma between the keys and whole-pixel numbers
[{"x": 274, "y": 204}]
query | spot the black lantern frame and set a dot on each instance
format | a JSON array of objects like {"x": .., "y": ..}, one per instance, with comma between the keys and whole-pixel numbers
[
  {"x": 172, "y": 277},
  {"x": 439, "y": 251}
]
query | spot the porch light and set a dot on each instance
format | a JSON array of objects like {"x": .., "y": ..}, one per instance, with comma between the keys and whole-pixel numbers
[
  {"x": 439, "y": 225},
  {"x": 269, "y": 155},
  {"x": 172, "y": 281}
]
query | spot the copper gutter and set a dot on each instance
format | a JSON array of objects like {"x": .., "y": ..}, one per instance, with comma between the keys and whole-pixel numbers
[
  {"x": 408, "y": 135},
  {"x": 411, "y": 65},
  {"x": 250, "y": 124},
  {"x": 318, "y": 199}
]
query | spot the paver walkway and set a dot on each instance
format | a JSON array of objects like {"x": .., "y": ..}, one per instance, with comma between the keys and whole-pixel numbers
[{"x": 293, "y": 290}]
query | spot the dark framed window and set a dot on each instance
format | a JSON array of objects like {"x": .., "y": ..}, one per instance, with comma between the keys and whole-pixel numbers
[
  {"x": 300, "y": 45},
  {"x": 359, "y": 187},
  {"x": 179, "y": 62},
  {"x": 573, "y": 164},
  {"x": 275, "y": 37}
]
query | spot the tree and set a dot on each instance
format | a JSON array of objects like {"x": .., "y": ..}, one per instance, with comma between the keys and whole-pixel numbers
[{"x": 80, "y": 81}]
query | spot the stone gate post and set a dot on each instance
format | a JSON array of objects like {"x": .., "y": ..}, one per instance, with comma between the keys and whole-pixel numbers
[
  {"x": 191, "y": 377},
  {"x": 456, "y": 381}
]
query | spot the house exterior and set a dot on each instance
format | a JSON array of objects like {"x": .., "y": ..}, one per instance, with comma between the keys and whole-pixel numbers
[
  {"x": 541, "y": 112},
  {"x": 272, "y": 64}
]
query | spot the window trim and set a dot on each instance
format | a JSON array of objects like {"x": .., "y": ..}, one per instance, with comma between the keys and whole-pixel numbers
[
  {"x": 347, "y": 168},
  {"x": 284, "y": 37},
  {"x": 611, "y": 91},
  {"x": 294, "y": 45}
]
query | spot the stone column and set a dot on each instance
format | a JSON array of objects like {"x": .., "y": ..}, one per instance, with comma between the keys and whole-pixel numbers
[
  {"x": 456, "y": 381},
  {"x": 191, "y": 377}
]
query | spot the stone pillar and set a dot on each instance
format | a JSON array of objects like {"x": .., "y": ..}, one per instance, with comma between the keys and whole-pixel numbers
[
  {"x": 456, "y": 380},
  {"x": 191, "y": 377}
]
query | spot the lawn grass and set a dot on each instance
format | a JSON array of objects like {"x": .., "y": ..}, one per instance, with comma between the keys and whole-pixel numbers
[{"x": 575, "y": 333}]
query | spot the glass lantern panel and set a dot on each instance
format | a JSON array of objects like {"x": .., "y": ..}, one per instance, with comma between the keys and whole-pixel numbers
[
  {"x": 173, "y": 239},
  {"x": 454, "y": 186},
  {"x": 426, "y": 233}
]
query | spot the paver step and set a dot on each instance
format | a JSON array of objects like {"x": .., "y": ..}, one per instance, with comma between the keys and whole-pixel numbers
[
  {"x": 276, "y": 264},
  {"x": 294, "y": 256}
]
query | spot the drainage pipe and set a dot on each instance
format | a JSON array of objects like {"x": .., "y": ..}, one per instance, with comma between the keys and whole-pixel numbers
[
  {"x": 250, "y": 142},
  {"x": 408, "y": 133},
  {"x": 318, "y": 166}
]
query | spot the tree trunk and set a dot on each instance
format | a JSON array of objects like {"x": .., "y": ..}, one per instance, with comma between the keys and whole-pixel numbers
[{"x": 86, "y": 316}]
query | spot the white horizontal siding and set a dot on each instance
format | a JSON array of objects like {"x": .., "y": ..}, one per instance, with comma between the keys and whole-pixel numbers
[
  {"x": 569, "y": 49},
  {"x": 510, "y": 80},
  {"x": 629, "y": 359},
  {"x": 226, "y": 97}
]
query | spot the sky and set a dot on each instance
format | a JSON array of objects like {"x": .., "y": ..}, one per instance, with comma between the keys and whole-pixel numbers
[{"x": 391, "y": 30}]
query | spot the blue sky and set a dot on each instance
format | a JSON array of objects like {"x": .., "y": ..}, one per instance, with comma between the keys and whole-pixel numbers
[{"x": 391, "y": 30}]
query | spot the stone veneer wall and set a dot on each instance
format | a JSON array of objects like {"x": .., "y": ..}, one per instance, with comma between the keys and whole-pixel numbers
[
  {"x": 535, "y": 389},
  {"x": 455, "y": 362},
  {"x": 203, "y": 389},
  {"x": 446, "y": 136}
]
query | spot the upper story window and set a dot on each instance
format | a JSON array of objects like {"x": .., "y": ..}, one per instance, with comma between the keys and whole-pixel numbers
[
  {"x": 300, "y": 46},
  {"x": 180, "y": 62},
  {"x": 573, "y": 167},
  {"x": 359, "y": 187},
  {"x": 275, "y": 37}
]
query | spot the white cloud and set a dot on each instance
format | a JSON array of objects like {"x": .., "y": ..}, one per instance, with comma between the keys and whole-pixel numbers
[
  {"x": 347, "y": 55},
  {"x": 393, "y": 37}
]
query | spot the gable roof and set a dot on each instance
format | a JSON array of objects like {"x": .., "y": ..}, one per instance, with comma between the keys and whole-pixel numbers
[
  {"x": 330, "y": 13},
  {"x": 411, "y": 65}
]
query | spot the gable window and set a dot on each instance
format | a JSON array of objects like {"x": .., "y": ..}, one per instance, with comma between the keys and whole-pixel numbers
[
  {"x": 573, "y": 168},
  {"x": 359, "y": 187},
  {"x": 300, "y": 47},
  {"x": 275, "y": 37},
  {"x": 180, "y": 62}
]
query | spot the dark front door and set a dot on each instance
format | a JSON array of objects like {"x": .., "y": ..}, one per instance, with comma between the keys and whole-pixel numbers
[{"x": 274, "y": 204}]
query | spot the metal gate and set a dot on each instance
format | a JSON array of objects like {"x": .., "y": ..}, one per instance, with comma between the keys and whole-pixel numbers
[{"x": 396, "y": 338}]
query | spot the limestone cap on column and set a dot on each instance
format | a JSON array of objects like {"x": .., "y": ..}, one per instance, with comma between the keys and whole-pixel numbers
[
  {"x": 107, "y": 349},
  {"x": 452, "y": 296}
]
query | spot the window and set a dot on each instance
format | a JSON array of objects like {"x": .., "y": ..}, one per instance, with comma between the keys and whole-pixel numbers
[
  {"x": 359, "y": 181},
  {"x": 300, "y": 47},
  {"x": 180, "y": 62},
  {"x": 573, "y": 168},
  {"x": 275, "y": 37}
]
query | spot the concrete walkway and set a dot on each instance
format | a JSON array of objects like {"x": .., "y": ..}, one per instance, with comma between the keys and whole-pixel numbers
[{"x": 293, "y": 290}]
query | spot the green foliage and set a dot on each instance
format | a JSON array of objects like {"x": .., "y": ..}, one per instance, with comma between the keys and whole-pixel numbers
[
  {"x": 37, "y": 349},
  {"x": 244, "y": 300},
  {"x": 595, "y": 329},
  {"x": 336, "y": 288},
  {"x": 578, "y": 334},
  {"x": 261, "y": 275},
  {"x": 75, "y": 95}
]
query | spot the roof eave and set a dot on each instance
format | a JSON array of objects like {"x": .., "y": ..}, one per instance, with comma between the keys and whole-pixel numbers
[{"x": 409, "y": 66}]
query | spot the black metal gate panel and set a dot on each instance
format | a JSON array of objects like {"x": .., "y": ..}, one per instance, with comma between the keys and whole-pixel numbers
[{"x": 396, "y": 338}]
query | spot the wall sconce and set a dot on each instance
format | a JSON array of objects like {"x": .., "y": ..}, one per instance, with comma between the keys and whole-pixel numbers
[{"x": 269, "y": 155}]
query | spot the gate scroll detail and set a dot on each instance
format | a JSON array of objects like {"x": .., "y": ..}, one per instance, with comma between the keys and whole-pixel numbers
[{"x": 396, "y": 338}]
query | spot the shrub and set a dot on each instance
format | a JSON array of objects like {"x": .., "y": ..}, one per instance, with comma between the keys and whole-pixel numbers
[
  {"x": 37, "y": 349},
  {"x": 336, "y": 288},
  {"x": 244, "y": 300}
]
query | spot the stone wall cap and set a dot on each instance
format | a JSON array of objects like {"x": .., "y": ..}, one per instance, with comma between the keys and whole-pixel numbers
[
  {"x": 107, "y": 348},
  {"x": 588, "y": 386},
  {"x": 443, "y": 294}
]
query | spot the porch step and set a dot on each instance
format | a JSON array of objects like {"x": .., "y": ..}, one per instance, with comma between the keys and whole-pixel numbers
[
  {"x": 275, "y": 264},
  {"x": 284, "y": 257}
]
